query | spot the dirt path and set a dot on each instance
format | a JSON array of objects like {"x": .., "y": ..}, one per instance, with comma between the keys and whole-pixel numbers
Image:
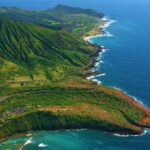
[{"x": 3, "y": 98}]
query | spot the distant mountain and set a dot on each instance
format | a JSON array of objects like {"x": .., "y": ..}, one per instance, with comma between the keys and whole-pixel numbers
[
  {"x": 76, "y": 10},
  {"x": 60, "y": 17}
]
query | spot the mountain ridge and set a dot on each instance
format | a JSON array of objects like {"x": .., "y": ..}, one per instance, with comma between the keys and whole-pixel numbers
[{"x": 32, "y": 45}]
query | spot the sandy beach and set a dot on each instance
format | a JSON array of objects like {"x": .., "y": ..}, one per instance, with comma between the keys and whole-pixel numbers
[{"x": 98, "y": 30}]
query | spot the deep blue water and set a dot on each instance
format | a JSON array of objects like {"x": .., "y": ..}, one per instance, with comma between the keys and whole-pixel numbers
[
  {"x": 127, "y": 58},
  {"x": 126, "y": 64}
]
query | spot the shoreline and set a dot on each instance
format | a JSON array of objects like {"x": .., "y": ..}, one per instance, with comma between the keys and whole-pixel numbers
[
  {"x": 124, "y": 132},
  {"x": 99, "y": 49},
  {"x": 99, "y": 31},
  {"x": 29, "y": 134}
]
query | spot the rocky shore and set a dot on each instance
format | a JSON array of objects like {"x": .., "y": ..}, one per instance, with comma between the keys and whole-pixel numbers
[{"x": 95, "y": 32}]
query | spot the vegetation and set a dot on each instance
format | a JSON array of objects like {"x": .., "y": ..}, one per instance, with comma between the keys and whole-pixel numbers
[
  {"x": 42, "y": 76},
  {"x": 75, "y": 20},
  {"x": 75, "y": 107},
  {"x": 30, "y": 52},
  {"x": 50, "y": 121}
]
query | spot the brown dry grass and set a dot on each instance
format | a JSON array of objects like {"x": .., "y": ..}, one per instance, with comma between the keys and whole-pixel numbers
[{"x": 93, "y": 111}]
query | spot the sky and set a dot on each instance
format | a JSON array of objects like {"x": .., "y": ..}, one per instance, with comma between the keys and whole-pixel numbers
[{"x": 110, "y": 7}]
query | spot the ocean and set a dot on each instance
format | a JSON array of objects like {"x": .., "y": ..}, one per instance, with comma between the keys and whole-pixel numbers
[
  {"x": 76, "y": 140},
  {"x": 124, "y": 65}
]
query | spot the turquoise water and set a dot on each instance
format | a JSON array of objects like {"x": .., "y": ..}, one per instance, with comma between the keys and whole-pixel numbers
[
  {"x": 77, "y": 140},
  {"x": 126, "y": 64}
]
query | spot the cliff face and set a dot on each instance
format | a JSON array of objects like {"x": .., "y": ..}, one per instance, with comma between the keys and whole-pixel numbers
[{"x": 44, "y": 120}]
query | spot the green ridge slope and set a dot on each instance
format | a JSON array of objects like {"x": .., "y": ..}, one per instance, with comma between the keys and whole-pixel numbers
[{"x": 31, "y": 51}]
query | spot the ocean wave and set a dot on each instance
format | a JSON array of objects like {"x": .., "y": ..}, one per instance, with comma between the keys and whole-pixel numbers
[
  {"x": 102, "y": 46},
  {"x": 103, "y": 74},
  {"x": 137, "y": 135},
  {"x": 100, "y": 75},
  {"x": 108, "y": 22},
  {"x": 105, "y": 34},
  {"x": 134, "y": 97},
  {"x": 102, "y": 28},
  {"x": 42, "y": 145},
  {"x": 90, "y": 77},
  {"x": 103, "y": 51},
  {"x": 106, "y": 25},
  {"x": 90, "y": 39},
  {"x": 97, "y": 64},
  {"x": 101, "y": 54},
  {"x": 105, "y": 18},
  {"x": 101, "y": 62},
  {"x": 99, "y": 57},
  {"x": 108, "y": 34},
  {"x": 76, "y": 130},
  {"x": 28, "y": 141},
  {"x": 80, "y": 130},
  {"x": 97, "y": 81}
]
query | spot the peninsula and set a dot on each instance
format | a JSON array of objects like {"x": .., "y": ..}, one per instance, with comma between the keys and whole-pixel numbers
[{"x": 44, "y": 62}]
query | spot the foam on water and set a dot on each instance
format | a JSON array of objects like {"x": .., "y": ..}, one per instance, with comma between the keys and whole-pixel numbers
[
  {"x": 97, "y": 81},
  {"x": 102, "y": 28},
  {"x": 99, "y": 61},
  {"x": 28, "y": 141},
  {"x": 99, "y": 75},
  {"x": 120, "y": 135},
  {"x": 135, "y": 98},
  {"x": 42, "y": 145}
]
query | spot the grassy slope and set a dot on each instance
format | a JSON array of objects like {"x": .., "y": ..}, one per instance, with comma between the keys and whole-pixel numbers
[
  {"x": 42, "y": 83},
  {"x": 34, "y": 52}
]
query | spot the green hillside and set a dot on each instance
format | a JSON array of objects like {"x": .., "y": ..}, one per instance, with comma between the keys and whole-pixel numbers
[{"x": 30, "y": 51}]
